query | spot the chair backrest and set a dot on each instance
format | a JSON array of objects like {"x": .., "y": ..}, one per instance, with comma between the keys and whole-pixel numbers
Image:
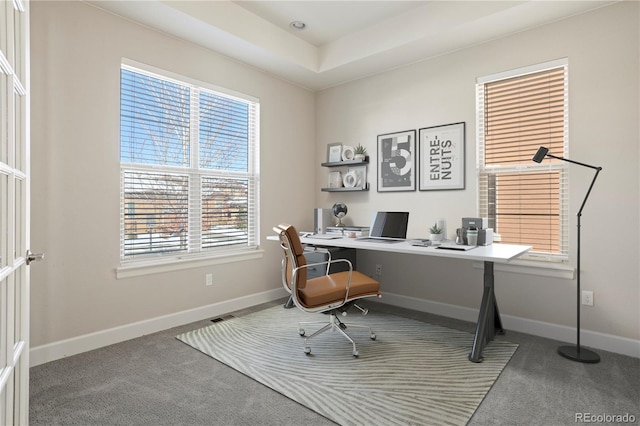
[{"x": 293, "y": 256}]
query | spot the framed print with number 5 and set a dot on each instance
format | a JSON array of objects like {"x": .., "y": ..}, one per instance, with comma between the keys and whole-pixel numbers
[{"x": 396, "y": 161}]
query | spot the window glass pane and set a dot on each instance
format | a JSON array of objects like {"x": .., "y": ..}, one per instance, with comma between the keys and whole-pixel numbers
[
  {"x": 4, "y": 9},
  {"x": 523, "y": 113},
  {"x": 154, "y": 121},
  {"x": 19, "y": 115},
  {"x": 224, "y": 136},
  {"x": 4, "y": 215},
  {"x": 18, "y": 381},
  {"x": 19, "y": 207},
  {"x": 155, "y": 213},
  {"x": 224, "y": 211},
  {"x": 3, "y": 324},
  {"x": 18, "y": 304},
  {"x": 18, "y": 39},
  {"x": 4, "y": 117},
  {"x": 189, "y": 167},
  {"x": 525, "y": 202},
  {"x": 528, "y": 209}
]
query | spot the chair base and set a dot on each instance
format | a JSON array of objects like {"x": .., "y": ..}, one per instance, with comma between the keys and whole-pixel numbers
[{"x": 335, "y": 325}]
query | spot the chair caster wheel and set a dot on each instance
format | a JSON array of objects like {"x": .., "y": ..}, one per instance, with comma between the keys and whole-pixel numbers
[
  {"x": 355, "y": 354},
  {"x": 301, "y": 332},
  {"x": 307, "y": 351},
  {"x": 373, "y": 336}
]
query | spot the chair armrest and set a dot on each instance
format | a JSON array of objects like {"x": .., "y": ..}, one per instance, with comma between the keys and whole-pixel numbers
[{"x": 327, "y": 262}]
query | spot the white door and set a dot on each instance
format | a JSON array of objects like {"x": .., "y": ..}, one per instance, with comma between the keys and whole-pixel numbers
[{"x": 14, "y": 212}]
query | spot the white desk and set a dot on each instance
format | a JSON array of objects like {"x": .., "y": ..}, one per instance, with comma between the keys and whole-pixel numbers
[
  {"x": 500, "y": 253},
  {"x": 489, "y": 322}
]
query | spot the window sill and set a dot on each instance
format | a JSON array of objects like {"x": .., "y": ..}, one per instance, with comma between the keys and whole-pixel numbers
[
  {"x": 532, "y": 267},
  {"x": 135, "y": 269}
]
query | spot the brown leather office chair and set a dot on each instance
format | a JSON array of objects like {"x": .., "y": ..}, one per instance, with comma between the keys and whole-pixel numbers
[{"x": 331, "y": 293}]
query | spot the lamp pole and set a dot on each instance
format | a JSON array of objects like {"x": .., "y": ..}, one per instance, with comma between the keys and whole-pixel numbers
[{"x": 575, "y": 353}]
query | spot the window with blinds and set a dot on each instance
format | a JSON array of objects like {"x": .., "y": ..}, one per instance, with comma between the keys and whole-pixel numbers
[
  {"x": 189, "y": 167},
  {"x": 525, "y": 202}
]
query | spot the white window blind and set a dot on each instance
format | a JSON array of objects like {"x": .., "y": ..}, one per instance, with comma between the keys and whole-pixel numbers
[
  {"x": 189, "y": 168},
  {"x": 525, "y": 202}
]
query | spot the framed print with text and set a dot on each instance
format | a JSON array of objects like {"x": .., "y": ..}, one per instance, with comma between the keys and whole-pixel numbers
[
  {"x": 396, "y": 161},
  {"x": 441, "y": 157}
]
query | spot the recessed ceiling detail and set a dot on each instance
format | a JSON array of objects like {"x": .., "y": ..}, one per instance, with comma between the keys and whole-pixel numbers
[{"x": 342, "y": 40}]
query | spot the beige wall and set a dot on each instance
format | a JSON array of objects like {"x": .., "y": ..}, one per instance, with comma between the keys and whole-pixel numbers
[
  {"x": 602, "y": 48},
  {"x": 76, "y": 55}
]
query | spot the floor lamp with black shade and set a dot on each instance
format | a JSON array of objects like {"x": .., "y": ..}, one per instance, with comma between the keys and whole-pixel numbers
[{"x": 575, "y": 353}]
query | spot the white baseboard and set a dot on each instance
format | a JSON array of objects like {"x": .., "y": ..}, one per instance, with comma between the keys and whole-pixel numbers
[
  {"x": 592, "y": 339},
  {"x": 56, "y": 350}
]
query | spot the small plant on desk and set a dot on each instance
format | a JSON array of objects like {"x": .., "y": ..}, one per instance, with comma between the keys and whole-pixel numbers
[{"x": 436, "y": 233}]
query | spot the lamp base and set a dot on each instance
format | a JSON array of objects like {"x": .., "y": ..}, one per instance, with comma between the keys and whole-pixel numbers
[{"x": 579, "y": 354}]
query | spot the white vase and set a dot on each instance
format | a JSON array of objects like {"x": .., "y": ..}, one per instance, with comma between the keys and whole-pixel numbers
[
  {"x": 436, "y": 237},
  {"x": 359, "y": 157}
]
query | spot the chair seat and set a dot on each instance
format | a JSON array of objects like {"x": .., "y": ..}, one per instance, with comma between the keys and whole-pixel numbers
[{"x": 331, "y": 288}]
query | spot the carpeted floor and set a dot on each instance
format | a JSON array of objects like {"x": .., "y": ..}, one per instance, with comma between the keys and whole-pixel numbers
[
  {"x": 158, "y": 380},
  {"x": 413, "y": 373}
]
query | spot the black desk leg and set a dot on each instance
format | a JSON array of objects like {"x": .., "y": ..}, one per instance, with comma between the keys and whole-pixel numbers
[{"x": 489, "y": 321}]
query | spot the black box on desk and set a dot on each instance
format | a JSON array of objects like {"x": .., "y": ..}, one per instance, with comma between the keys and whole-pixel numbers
[
  {"x": 485, "y": 237},
  {"x": 475, "y": 222},
  {"x": 485, "y": 234},
  {"x": 323, "y": 254}
]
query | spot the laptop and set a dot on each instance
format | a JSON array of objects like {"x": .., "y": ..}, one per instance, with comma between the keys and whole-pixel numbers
[{"x": 388, "y": 227}]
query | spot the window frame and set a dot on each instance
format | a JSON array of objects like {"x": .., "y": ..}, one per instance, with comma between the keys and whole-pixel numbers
[
  {"x": 196, "y": 255},
  {"x": 483, "y": 170}
]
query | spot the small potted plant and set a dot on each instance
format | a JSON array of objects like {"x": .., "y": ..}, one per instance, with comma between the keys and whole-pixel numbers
[
  {"x": 360, "y": 153},
  {"x": 436, "y": 233}
]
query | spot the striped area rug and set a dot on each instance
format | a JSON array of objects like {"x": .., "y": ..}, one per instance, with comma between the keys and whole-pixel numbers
[{"x": 414, "y": 373}]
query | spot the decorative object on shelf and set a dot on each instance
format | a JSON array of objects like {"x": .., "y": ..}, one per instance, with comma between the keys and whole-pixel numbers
[
  {"x": 442, "y": 157},
  {"x": 575, "y": 353},
  {"x": 338, "y": 183},
  {"x": 335, "y": 180},
  {"x": 361, "y": 153},
  {"x": 350, "y": 179},
  {"x": 339, "y": 211},
  {"x": 436, "y": 233},
  {"x": 396, "y": 161},
  {"x": 334, "y": 152},
  {"x": 361, "y": 175},
  {"x": 348, "y": 153}
]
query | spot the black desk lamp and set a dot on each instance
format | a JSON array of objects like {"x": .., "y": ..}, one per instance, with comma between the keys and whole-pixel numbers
[{"x": 575, "y": 353}]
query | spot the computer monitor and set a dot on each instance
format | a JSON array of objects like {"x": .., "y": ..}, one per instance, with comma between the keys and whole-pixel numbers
[{"x": 389, "y": 225}]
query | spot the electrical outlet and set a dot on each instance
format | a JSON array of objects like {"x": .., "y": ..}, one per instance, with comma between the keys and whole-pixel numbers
[
  {"x": 587, "y": 298},
  {"x": 378, "y": 269},
  {"x": 209, "y": 279}
]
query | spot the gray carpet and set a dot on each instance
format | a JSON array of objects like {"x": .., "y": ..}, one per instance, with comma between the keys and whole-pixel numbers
[
  {"x": 158, "y": 380},
  {"x": 413, "y": 373}
]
